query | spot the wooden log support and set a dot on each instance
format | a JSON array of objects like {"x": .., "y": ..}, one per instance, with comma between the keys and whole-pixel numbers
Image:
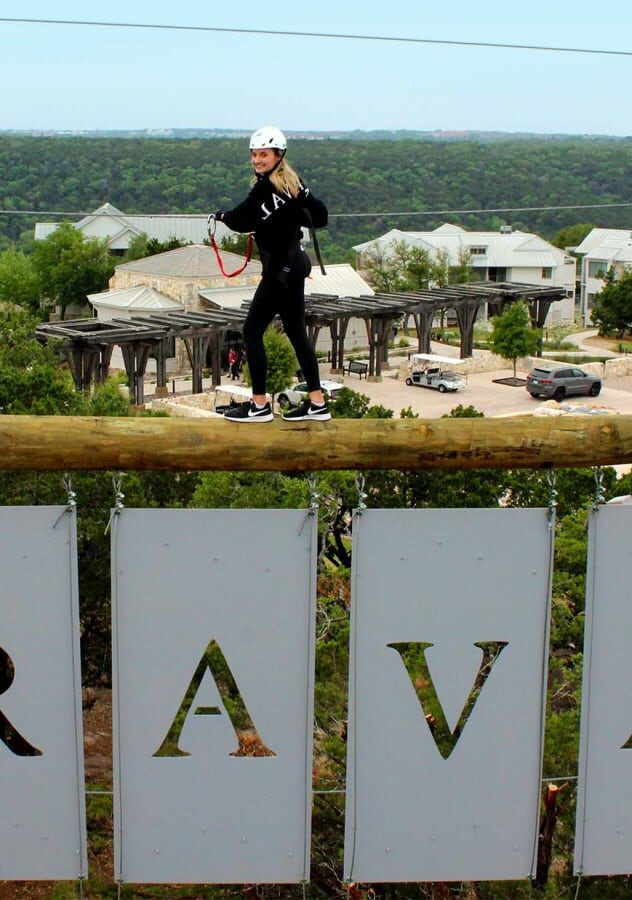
[
  {"x": 64, "y": 443},
  {"x": 546, "y": 834}
]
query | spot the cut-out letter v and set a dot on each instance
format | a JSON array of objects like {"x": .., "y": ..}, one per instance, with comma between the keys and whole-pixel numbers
[{"x": 413, "y": 656}]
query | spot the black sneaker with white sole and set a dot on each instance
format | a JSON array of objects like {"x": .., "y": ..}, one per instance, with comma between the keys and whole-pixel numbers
[
  {"x": 308, "y": 411},
  {"x": 249, "y": 412}
]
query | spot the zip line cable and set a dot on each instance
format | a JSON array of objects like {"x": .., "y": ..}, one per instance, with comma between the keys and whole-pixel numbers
[
  {"x": 318, "y": 34},
  {"x": 351, "y": 215}
]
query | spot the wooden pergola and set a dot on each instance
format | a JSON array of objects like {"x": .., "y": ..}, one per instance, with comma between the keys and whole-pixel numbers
[
  {"x": 88, "y": 343},
  {"x": 467, "y": 300}
]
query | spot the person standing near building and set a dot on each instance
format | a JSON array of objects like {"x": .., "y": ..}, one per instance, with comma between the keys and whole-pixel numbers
[
  {"x": 233, "y": 364},
  {"x": 276, "y": 209}
]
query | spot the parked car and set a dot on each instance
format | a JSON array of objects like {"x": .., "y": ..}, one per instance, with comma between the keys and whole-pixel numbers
[
  {"x": 563, "y": 381},
  {"x": 298, "y": 392}
]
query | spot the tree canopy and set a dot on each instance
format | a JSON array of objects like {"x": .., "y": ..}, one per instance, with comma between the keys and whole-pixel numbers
[
  {"x": 512, "y": 335},
  {"x": 612, "y": 308},
  {"x": 386, "y": 178},
  {"x": 70, "y": 267},
  {"x": 19, "y": 282}
]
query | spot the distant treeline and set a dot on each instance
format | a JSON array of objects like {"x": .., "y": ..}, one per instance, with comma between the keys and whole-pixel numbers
[{"x": 377, "y": 177}]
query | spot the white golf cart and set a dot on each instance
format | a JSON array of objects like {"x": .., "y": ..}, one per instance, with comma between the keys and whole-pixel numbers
[{"x": 428, "y": 370}]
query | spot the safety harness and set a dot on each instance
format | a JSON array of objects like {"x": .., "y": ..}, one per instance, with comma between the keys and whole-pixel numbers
[
  {"x": 312, "y": 234},
  {"x": 212, "y": 225}
]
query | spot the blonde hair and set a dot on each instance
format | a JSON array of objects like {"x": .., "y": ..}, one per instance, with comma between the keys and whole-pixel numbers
[{"x": 284, "y": 178}]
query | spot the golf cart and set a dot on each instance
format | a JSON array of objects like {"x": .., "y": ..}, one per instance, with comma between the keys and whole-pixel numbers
[{"x": 427, "y": 370}]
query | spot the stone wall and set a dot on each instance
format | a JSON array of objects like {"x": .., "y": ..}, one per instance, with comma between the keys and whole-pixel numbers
[
  {"x": 195, "y": 406},
  {"x": 609, "y": 368},
  {"x": 184, "y": 290}
]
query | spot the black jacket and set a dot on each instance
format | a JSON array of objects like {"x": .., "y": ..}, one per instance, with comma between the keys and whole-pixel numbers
[{"x": 276, "y": 219}]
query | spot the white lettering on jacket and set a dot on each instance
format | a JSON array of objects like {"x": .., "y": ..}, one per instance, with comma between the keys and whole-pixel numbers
[{"x": 277, "y": 201}]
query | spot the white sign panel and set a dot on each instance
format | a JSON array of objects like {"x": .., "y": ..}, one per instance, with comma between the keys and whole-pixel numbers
[
  {"x": 213, "y": 665},
  {"x": 603, "y": 842},
  {"x": 42, "y": 815},
  {"x": 450, "y": 616}
]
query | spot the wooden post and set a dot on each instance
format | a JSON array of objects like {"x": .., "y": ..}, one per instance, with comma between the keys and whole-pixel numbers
[
  {"x": 547, "y": 830},
  {"x": 63, "y": 443}
]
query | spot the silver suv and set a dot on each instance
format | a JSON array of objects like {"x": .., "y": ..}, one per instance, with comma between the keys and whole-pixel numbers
[{"x": 565, "y": 381}]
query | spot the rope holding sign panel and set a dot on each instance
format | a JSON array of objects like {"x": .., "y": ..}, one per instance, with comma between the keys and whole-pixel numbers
[
  {"x": 71, "y": 498},
  {"x": 600, "y": 491},
  {"x": 119, "y": 496},
  {"x": 551, "y": 480}
]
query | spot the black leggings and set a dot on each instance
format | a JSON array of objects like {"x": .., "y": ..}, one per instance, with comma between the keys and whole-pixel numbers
[{"x": 270, "y": 298}]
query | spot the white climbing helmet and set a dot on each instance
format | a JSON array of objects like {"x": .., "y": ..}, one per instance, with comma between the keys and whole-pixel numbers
[{"x": 268, "y": 138}]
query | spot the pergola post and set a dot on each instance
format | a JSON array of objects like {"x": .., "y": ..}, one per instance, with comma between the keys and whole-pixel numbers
[
  {"x": 466, "y": 316},
  {"x": 105, "y": 358},
  {"x": 196, "y": 347},
  {"x": 217, "y": 339},
  {"x": 423, "y": 317},
  {"x": 160, "y": 355},
  {"x": 340, "y": 325},
  {"x": 82, "y": 361},
  {"x": 135, "y": 356}
]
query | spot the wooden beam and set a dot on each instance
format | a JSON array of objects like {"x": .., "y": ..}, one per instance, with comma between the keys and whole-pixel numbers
[{"x": 65, "y": 443}]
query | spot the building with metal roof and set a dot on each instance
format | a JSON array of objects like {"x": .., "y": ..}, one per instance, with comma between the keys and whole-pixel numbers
[
  {"x": 183, "y": 273},
  {"x": 120, "y": 229},
  {"x": 499, "y": 256},
  {"x": 601, "y": 250},
  {"x": 130, "y": 301}
]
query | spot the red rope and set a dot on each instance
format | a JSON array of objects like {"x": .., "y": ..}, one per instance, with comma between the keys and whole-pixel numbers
[{"x": 219, "y": 258}]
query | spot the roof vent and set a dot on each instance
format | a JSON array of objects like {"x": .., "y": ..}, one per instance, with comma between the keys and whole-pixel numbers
[{"x": 506, "y": 229}]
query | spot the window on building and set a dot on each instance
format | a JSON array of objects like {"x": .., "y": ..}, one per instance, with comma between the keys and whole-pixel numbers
[
  {"x": 597, "y": 268},
  {"x": 478, "y": 251},
  {"x": 547, "y": 272}
]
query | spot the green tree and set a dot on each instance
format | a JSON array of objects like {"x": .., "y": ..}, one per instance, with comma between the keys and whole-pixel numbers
[
  {"x": 142, "y": 246},
  {"x": 512, "y": 335},
  {"x": 571, "y": 235},
  {"x": 612, "y": 309},
  {"x": 463, "y": 271},
  {"x": 70, "y": 267},
  {"x": 415, "y": 265},
  {"x": 403, "y": 267},
  {"x": 282, "y": 363},
  {"x": 18, "y": 280},
  {"x": 381, "y": 271},
  {"x": 250, "y": 490},
  {"x": 31, "y": 380},
  {"x": 238, "y": 243}
]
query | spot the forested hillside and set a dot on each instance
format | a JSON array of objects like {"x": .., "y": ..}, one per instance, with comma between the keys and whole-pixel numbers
[{"x": 381, "y": 177}]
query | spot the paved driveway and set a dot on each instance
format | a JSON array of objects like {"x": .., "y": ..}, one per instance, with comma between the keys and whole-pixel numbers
[{"x": 481, "y": 392}]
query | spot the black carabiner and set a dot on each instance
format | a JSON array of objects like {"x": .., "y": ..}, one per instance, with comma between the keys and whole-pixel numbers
[{"x": 211, "y": 228}]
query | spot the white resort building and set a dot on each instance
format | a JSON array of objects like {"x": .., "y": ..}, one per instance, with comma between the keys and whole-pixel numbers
[
  {"x": 601, "y": 250},
  {"x": 502, "y": 256}
]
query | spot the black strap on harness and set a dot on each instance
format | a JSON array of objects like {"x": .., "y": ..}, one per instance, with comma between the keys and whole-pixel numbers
[{"x": 312, "y": 234}]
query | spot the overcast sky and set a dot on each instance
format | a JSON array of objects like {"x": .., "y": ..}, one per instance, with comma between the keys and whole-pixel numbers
[{"x": 69, "y": 77}]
